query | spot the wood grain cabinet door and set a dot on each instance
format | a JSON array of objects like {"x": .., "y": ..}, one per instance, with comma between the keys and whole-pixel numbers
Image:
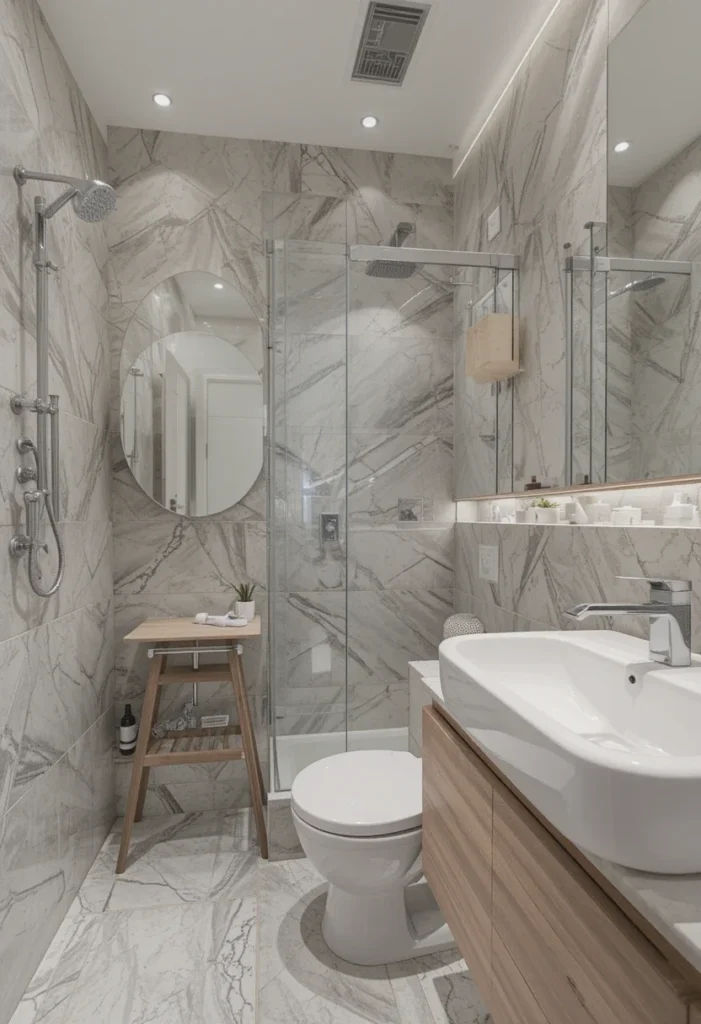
[
  {"x": 582, "y": 959},
  {"x": 457, "y": 841},
  {"x": 512, "y": 1000}
]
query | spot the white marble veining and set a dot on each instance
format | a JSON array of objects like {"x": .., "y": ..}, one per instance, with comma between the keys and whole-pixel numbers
[
  {"x": 210, "y": 934},
  {"x": 56, "y": 771},
  {"x": 190, "y": 202},
  {"x": 542, "y": 159}
]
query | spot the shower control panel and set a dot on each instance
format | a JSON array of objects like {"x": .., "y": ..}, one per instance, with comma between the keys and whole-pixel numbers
[{"x": 330, "y": 527}]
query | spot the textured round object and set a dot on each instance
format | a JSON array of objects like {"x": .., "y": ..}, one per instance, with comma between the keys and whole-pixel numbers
[
  {"x": 463, "y": 624},
  {"x": 361, "y": 793}
]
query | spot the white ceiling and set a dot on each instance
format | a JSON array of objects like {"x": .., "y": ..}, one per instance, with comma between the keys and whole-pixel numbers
[
  {"x": 280, "y": 69},
  {"x": 654, "y": 88}
]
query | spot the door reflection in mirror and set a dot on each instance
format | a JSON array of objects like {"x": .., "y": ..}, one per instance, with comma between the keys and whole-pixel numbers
[{"x": 192, "y": 408}]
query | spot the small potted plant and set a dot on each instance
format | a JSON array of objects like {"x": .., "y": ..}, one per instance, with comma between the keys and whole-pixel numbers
[
  {"x": 245, "y": 606},
  {"x": 546, "y": 512}
]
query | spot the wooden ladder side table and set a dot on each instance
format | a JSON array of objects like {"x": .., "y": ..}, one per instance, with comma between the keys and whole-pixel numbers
[{"x": 193, "y": 746}]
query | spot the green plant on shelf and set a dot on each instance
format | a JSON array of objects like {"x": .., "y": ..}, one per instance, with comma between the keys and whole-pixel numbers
[
  {"x": 244, "y": 592},
  {"x": 543, "y": 503}
]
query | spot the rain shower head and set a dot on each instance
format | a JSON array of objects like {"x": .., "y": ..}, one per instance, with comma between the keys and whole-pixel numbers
[
  {"x": 644, "y": 284},
  {"x": 389, "y": 268},
  {"x": 93, "y": 200}
]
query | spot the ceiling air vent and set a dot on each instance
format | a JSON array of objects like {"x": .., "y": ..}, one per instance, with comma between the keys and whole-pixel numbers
[{"x": 389, "y": 38}]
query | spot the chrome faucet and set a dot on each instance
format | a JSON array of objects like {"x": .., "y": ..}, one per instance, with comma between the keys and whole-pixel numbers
[{"x": 669, "y": 612}]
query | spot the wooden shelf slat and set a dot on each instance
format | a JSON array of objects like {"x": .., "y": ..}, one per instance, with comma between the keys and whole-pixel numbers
[
  {"x": 194, "y": 746},
  {"x": 184, "y": 674}
]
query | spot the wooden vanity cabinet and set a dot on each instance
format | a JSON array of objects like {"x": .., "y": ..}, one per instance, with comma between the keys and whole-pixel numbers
[
  {"x": 545, "y": 943},
  {"x": 457, "y": 860}
]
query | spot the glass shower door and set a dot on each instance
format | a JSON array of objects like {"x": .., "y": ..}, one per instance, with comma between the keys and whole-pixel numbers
[{"x": 308, "y": 565}]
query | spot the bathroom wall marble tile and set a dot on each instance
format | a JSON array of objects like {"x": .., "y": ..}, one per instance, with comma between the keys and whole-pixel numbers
[
  {"x": 33, "y": 897},
  {"x": 542, "y": 159},
  {"x": 312, "y": 632},
  {"x": 311, "y": 218},
  {"x": 87, "y": 578},
  {"x": 620, "y": 13},
  {"x": 385, "y": 467},
  {"x": 45, "y": 124},
  {"x": 187, "y": 555},
  {"x": 312, "y": 386},
  {"x": 200, "y": 203},
  {"x": 378, "y": 691},
  {"x": 401, "y": 307},
  {"x": 67, "y": 685},
  {"x": 85, "y": 800},
  {"x": 85, "y": 471},
  {"x": 335, "y": 171},
  {"x": 400, "y": 383},
  {"x": 537, "y": 581},
  {"x": 372, "y": 218},
  {"x": 400, "y": 559}
]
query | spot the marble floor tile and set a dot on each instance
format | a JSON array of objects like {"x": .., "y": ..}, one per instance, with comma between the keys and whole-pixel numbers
[
  {"x": 53, "y": 983},
  {"x": 170, "y": 965},
  {"x": 246, "y": 949},
  {"x": 437, "y": 988},
  {"x": 173, "y": 860},
  {"x": 301, "y": 980}
]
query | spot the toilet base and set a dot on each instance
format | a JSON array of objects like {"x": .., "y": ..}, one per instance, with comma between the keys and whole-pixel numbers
[{"x": 382, "y": 928}]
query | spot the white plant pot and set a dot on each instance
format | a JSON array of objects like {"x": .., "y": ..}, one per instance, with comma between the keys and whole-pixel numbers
[
  {"x": 246, "y": 610},
  {"x": 547, "y": 516}
]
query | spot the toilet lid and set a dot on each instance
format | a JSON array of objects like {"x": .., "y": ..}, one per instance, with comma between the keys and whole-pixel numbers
[{"x": 361, "y": 793}]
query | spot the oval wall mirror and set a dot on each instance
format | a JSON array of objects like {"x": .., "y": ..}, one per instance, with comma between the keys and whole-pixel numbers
[{"x": 192, "y": 407}]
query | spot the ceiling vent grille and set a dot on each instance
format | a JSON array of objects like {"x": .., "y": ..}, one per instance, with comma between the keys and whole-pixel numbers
[{"x": 389, "y": 38}]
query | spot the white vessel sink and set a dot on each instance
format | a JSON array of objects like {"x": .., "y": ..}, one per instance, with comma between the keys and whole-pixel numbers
[{"x": 603, "y": 742}]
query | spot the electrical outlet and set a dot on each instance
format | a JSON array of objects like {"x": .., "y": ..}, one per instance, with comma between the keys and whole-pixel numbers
[
  {"x": 489, "y": 563},
  {"x": 494, "y": 224}
]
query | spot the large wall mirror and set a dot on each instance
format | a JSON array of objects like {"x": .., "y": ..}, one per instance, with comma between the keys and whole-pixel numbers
[
  {"x": 192, "y": 409},
  {"x": 638, "y": 417}
]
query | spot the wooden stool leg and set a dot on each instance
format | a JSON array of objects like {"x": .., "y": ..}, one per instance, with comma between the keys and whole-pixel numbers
[
  {"x": 145, "y": 772},
  {"x": 250, "y": 749},
  {"x": 133, "y": 800}
]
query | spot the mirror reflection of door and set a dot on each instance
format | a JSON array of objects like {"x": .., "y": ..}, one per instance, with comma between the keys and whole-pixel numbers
[
  {"x": 176, "y": 416},
  {"x": 192, "y": 408},
  {"x": 229, "y": 435}
]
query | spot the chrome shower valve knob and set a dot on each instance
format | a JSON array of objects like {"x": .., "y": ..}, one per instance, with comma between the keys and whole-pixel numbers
[{"x": 25, "y": 474}]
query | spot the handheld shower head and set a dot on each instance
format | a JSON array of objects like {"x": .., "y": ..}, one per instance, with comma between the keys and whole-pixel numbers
[{"x": 93, "y": 200}]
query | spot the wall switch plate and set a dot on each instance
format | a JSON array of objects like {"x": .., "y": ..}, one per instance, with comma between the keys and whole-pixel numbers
[
  {"x": 494, "y": 224},
  {"x": 489, "y": 563}
]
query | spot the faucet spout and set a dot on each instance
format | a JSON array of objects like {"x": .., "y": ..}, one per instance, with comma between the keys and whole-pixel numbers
[
  {"x": 586, "y": 611},
  {"x": 670, "y": 619}
]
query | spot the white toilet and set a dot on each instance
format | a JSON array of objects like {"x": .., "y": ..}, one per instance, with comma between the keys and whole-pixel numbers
[{"x": 358, "y": 817}]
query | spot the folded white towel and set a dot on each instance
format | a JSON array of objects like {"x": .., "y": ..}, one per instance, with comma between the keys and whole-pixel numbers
[{"x": 203, "y": 619}]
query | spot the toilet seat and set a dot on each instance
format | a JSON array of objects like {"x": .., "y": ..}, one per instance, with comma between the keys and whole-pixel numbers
[{"x": 361, "y": 793}]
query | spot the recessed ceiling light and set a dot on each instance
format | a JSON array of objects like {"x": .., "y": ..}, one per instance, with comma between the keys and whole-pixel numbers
[
  {"x": 621, "y": 147},
  {"x": 219, "y": 285},
  {"x": 161, "y": 99},
  {"x": 369, "y": 121}
]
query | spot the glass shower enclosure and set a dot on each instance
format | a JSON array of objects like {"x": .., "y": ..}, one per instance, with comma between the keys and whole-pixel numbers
[{"x": 361, "y": 370}]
